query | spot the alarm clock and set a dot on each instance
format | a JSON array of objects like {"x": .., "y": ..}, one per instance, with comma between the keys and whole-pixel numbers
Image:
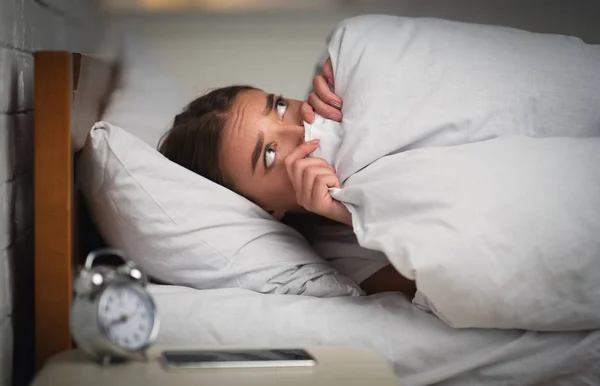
[{"x": 113, "y": 317}]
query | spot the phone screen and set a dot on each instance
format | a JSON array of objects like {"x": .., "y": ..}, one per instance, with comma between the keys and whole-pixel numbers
[{"x": 238, "y": 358}]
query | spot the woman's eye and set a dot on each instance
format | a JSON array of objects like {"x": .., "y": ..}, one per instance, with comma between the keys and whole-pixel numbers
[
  {"x": 270, "y": 154},
  {"x": 280, "y": 107}
]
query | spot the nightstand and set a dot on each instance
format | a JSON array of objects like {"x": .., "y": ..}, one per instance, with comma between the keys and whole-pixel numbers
[{"x": 335, "y": 367}]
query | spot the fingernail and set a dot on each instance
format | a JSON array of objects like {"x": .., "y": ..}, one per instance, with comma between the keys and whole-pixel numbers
[
  {"x": 335, "y": 104},
  {"x": 330, "y": 81},
  {"x": 314, "y": 141}
]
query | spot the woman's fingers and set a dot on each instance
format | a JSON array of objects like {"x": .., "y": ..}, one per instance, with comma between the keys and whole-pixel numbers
[
  {"x": 305, "y": 163},
  {"x": 320, "y": 199},
  {"x": 323, "y": 182},
  {"x": 308, "y": 115},
  {"x": 298, "y": 168},
  {"x": 325, "y": 94},
  {"x": 299, "y": 153},
  {"x": 328, "y": 72},
  {"x": 323, "y": 100},
  {"x": 323, "y": 108},
  {"x": 309, "y": 177},
  {"x": 315, "y": 197},
  {"x": 302, "y": 151}
]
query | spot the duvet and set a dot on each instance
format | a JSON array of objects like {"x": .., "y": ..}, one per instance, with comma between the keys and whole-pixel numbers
[{"x": 470, "y": 156}]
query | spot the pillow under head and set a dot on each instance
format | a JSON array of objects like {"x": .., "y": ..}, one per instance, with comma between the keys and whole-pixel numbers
[{"x": 184, "y": 229}]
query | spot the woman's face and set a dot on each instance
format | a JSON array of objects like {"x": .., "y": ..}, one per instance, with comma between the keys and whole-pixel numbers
[{"x": 262, "y": 129}]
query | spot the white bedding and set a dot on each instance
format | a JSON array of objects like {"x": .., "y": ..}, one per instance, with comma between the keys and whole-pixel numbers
[
  {"x": 442, "y": 175},
  {"x": 421, "y": 83},
  {"x": 337, "y": 244},
  {"x": 421, "y": 348},
  {"x": 499, "y": 234}
]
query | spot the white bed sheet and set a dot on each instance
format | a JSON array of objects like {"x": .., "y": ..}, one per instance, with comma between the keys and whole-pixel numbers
[{"x": 422, "y": 349}]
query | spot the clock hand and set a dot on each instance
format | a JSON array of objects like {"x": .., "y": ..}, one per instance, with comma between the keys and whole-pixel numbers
[{"x": 120, "y": 320}]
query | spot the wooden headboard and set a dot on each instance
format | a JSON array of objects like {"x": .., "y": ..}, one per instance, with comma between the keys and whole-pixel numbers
[{"x": 71, "y": 92}]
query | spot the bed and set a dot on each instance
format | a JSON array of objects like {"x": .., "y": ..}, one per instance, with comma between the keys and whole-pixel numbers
[{"x": 71, "y": 93}]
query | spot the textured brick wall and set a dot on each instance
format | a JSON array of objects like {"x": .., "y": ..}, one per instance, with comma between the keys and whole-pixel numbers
[{"x": 25, "y": 27}]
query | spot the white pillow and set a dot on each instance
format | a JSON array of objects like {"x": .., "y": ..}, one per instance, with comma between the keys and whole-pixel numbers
[{"x": 184, "y": 229}]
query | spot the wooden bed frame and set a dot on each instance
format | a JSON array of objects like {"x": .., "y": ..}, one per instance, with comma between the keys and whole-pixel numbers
[{"x": 71, "y": 92}]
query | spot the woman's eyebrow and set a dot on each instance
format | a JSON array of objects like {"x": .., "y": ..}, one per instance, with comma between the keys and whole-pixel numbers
[
  {"x": 257, "y": 151},
  {"x": 270, "y": 105}
]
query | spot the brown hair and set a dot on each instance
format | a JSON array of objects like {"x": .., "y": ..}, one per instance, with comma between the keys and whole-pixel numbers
[{"x": 194, "y": 141}]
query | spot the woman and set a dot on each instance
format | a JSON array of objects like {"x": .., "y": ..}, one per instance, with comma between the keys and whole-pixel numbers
[{"x": 253, "y": 143}]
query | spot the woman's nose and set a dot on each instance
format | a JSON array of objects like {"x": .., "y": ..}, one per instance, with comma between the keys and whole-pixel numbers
[{"x": 294, "y": 131}]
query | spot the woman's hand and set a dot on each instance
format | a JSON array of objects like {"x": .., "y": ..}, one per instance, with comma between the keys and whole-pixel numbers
[
  {"x": 311, "y": 179},
  {"x": 323, "y": 100}
]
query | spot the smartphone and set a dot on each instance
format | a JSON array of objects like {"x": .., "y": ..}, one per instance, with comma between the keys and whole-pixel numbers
[{"x": 213, "y": 359}]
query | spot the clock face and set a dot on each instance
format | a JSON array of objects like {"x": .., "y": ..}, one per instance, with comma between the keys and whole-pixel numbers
[{"x": 127, "y": 316}]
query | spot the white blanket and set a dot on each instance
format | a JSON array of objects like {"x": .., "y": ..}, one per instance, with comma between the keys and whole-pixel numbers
[
  {"x": 503, "y": 233},
  {"x": 440, "y": 173},
  {"x": 422, "y": 350}
]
